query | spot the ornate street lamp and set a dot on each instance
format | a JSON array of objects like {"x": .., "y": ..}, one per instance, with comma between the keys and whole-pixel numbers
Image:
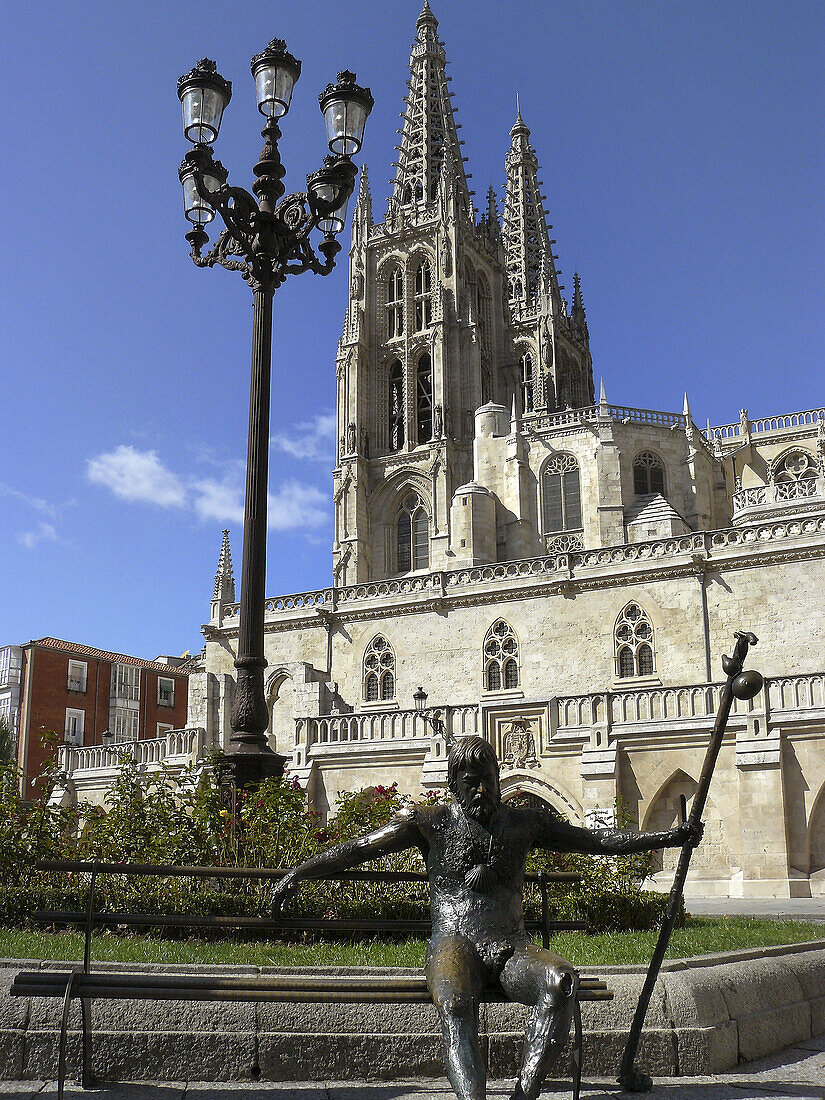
[
  {"x": 265, "y": 237},
  {"x": 433, "y": 720}
]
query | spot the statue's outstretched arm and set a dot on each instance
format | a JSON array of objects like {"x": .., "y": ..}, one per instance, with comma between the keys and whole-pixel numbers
[
  {"x": 400, "y": 833},
  {"x": 560, "y": 836}
]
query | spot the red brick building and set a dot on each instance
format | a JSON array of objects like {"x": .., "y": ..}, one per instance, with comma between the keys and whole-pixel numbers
[{"x": 92, "y": 697}]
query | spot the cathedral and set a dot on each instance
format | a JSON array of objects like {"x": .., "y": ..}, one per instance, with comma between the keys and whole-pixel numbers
[{"x": 558, "y": 573}]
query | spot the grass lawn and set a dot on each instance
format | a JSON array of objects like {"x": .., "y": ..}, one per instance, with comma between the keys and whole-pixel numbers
[{"x": 700, "y": 936}]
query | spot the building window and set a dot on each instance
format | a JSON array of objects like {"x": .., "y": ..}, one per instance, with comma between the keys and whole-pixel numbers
[
  {"x": 423, "y": 297},
  {"x": 396, "y": 406},
  {"x": 163, "y": 728},
  {"x": 633, "y": 643},
  {"x": 484, "y": 303},
  {"x": 395, "y": 303},
  {"x": 648, "y": 474},
  {"x": 126, "y": 682},
  {"x": 166, "y": 691},
  {"x": 501, "y": 667},
  {"x": 77, "y": 676},
  {"x": 379, "y": 670},
  {"x": 795, "y": 476},
  {"x": 424, "y": 399},
  {"x": 562, "y": 494},
  {"x": 125, "y": 724},
  {"x": 413, "y": 535},
  {"x": 526, "y": 372},
  {"x": 73, "y": 730}
]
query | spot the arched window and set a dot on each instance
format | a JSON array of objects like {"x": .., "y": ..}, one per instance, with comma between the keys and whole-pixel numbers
[
  {"x": 484, "y": 315},
  {"x": 633, "y": 643},
  {"x": 424, "y": 399},
  {"x": 395, "y": 408},
  {"x": 562, "y": 494},
  {"x": 526, "y": 372},
  {"x": 395, "y": 303},
  {"x": 648, "y": 474},
  {"x": 423, "y": 297},
  {"x": 501, "y": 665},
  {"x": 794, "y": 476},
  {"x": 379, "y": 670},
  {"x": 413, "y": 535}
]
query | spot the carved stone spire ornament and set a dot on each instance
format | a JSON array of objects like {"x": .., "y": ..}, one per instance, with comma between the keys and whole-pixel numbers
[
  {"x": 527, "y": 244},
  {"x": 429, "y": 138},
  {"x": 224, "y": 577}
]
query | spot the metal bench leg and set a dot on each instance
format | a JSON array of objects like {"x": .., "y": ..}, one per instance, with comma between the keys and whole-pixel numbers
[
  {"x": 577, "y": 1047},
  {"x": 87, "y": 1079},
  {"x": 64, "y": 1026}
]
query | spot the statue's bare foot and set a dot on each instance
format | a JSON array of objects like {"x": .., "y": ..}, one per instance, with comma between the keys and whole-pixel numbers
[
  {"x": 518, "y": 1091},
  {"x": 635, "y": 1080}
]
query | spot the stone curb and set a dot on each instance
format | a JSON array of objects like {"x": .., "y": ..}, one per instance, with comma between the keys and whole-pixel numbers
[{"x": 706, "y": 1015}]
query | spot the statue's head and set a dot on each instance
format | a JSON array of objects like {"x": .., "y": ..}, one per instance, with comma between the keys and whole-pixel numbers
[{"x": 472, "y": 776}]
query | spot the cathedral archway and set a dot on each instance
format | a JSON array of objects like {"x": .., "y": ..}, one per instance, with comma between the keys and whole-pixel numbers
[
  {"x": 280, "y": 704},
  {"x": 713, "y": 854},
  {"x": 536, "y": 787},
  {"x": 816, "y": 835}
]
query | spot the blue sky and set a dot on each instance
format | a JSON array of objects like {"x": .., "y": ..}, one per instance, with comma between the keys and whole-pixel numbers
[{"x": 682, "y": 148}]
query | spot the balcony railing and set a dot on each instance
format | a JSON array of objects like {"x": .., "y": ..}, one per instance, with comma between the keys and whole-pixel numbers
[
  {"x": 175, "y": 747},
  {"x": 382, "y": 726},
  {"x": 779, "y": 494},
  {"x": 806, "y": 418}
]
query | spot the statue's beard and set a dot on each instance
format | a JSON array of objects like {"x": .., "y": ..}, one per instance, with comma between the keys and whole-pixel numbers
[{"x": 482, "y": 810}]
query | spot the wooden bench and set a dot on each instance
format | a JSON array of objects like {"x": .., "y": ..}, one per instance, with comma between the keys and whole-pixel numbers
[{"x": 83, "y": 983}]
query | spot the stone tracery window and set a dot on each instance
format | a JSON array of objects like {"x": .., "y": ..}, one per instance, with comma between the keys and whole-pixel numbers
[
  {"x": 484, "y": 317},
  {"x": 501, "y": 657},
  {"x": 412, "y": 535},
  {"x": 648, "y": 474},
  {"x": 395, "y": 303},
  {"x": 423, "y": 296},
  {"x": 395, "y": 410},
  {"x": 526, "y": 374},
  {"x": 561, "y": 489},
  {"x": 424, "y": 399},
  {"x": 795, "y": 475},
  {"x": 379, "y": 670},
  {"x": 633, "y": 643}
]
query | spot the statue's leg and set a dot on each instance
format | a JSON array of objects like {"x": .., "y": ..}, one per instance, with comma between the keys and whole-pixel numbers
[
  {"x": 534, "y": 976},
  {"x": 454, "y": 977}
]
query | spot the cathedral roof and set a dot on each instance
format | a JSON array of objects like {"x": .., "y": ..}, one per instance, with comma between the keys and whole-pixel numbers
[{"x": 652, "y": 508}]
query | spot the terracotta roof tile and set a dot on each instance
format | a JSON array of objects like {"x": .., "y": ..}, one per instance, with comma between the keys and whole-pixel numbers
[{"x": 104, "y": 655}]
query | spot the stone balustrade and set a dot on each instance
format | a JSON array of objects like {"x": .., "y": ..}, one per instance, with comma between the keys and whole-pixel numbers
[
  {"x": 174, "y": 748},
  {"x": 564, "y": 566},
  {"x": 806, "y": 418},
  {"x": 381, "y": 725},
  {"x": 782, "y": 494}
]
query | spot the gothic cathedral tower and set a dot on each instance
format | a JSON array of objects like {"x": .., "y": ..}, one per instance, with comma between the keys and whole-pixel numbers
[{"x": 448, "y": 317}]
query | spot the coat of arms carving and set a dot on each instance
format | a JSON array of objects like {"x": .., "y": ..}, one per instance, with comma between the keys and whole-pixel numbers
[{"x": 519, "y": 746}]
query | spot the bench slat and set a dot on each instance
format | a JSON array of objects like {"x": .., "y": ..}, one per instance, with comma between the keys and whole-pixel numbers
[{"x": 262, "y": 924}]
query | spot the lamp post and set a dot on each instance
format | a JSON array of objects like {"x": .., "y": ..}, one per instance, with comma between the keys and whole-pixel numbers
[
  {"x": 265, "y": 238},
  {"x": 433, "y": 720}
]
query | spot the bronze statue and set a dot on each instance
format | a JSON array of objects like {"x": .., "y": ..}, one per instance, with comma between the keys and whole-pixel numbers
[{"x": 475, "y": 850}]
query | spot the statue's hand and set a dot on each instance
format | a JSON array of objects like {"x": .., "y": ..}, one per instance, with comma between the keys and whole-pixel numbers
[
  {"x": 689, "y": 833},
  {"x": 284, "y": 889}
]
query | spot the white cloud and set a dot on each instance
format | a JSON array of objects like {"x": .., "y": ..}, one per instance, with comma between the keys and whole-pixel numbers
[
  {"x": 138, "y": 476},
  {"x": 37, "y": 503},
  {"x": 141, "y": 476},
  {"x": 45, "y": 533},
  {"x": 218, "y": 500},
  {"x": 313, "y": 439},
  {"x": 297, "y": 505}
]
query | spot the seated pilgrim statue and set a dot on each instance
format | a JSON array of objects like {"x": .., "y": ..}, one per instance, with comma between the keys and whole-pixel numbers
[{"x": 475, "y": 849}]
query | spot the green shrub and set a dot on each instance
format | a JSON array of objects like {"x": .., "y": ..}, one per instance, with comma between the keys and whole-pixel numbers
[{"x": 162, "y": 819}]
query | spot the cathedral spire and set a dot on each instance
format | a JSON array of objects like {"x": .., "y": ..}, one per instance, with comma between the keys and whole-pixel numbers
[
  {"x": 490, "y": 221},
  {"x": 224, "y": 577},
  {"x": 577, "y": 314},
  {"x": 429, "y": 138},
  {"x": 527, "y": 243},
  {"x": 363, "y": 205}
]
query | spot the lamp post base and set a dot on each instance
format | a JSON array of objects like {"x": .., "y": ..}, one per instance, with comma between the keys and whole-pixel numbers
[{"x": 244, "y": 769}]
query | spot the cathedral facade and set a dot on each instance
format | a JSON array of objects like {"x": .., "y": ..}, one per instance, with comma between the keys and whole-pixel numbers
[{"x": 560, "y": 574}]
